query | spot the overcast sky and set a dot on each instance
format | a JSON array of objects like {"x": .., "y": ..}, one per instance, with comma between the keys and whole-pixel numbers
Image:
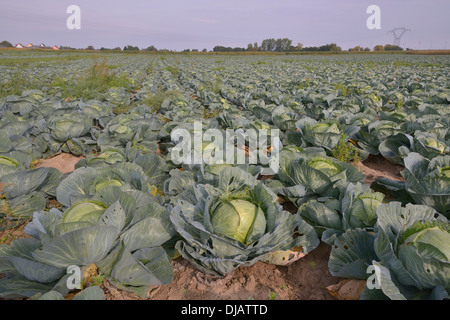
[{"x": 182, "y": 24}]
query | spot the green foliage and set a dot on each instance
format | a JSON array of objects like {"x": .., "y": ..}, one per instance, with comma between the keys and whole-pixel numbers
[
  {"x": 130, "y": 48},
  {"x": 175, "y": 71},
  {"x": 208, "y": 114},
  {"x": 155, "y": 100},
  {"x": 19, "y": 82},
  {"x": 345, "y": 151},
  {"x": 96, "y": 79},
  {"x": 390, "y": 47},
  {"x": 98, "y": 279},
  {"x": 214, "y": 86},
  {"x": 272, "y": 295},
  {"x": 342, "y": 88},
  {"x": 5, "y": 43}
]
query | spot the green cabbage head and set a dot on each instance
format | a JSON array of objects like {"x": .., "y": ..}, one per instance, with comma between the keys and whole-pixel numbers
[{"x": 239, "y": 219}]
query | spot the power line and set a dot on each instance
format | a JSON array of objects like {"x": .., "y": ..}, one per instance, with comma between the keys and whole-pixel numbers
[{"x": 398, "y": 34}]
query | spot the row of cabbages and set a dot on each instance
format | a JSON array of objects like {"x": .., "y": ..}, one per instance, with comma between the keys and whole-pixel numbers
[
  {"x": 115, "y": 218},
  {"x": 111, "y": 219},
  {"x": 128, "y": 209}
]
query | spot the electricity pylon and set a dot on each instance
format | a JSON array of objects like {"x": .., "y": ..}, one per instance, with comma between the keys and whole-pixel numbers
[{"x": 398, "y": 33}]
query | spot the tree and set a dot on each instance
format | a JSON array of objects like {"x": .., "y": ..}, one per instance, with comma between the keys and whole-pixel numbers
[
  {"x": 227, "y": 49},
  {"x": 219, "y": 49},
  {"x": 6, "y": 44},
  {"x": 357, "y": 49},
  {"x": 284, "y": 44},
  {"x": 205, "y": 50},
  {"x": 378, "y": 47},
  {"x": 151, "y": 48},
  {"x": 250, "y": 47},
  {"x": 268, "y": 45},
  {"x": 130, "y": 48},
  {"x": 334, "y": 47},
  {"x": 390, "y": 47},
  {"x": 310, "y": 49},
  {"x": 272, "y": 43},
  {"x": 90, "y": 48},
  {"x": 279, "y": 45}
]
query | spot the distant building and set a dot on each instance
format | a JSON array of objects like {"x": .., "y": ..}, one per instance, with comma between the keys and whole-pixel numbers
[
  {"x": 39, "y": 47},
  {"x": 32, "y": 46}
]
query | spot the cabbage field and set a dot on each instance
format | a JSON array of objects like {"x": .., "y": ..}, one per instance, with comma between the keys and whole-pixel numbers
[{"x": 127, "y": 211}]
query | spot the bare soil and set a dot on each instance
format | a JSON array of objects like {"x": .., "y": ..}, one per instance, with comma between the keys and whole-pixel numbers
[
  {"x": 7, "y": 236},
  {"x": 304, "y": 279},
  {"x": 64, "y": 162},
  {"x": 378, "y": 167}
]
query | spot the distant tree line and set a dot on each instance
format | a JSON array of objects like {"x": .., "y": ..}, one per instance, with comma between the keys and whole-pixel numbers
[
  {"x": 285, "y": 45},
  {"x": 267, "y": 45},
  {"x": 332, "y": 47},
  {"x": 388, "y": 47},
  {"x": 227, "y": 49},
  {"x": 280, "y": 45}
]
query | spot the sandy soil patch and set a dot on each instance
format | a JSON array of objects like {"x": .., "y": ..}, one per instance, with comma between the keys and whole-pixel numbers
[
  {"x": 378, "y": 167},
  {"x": 305, "y": 279},
  {"x": 64, "y": 162}
]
